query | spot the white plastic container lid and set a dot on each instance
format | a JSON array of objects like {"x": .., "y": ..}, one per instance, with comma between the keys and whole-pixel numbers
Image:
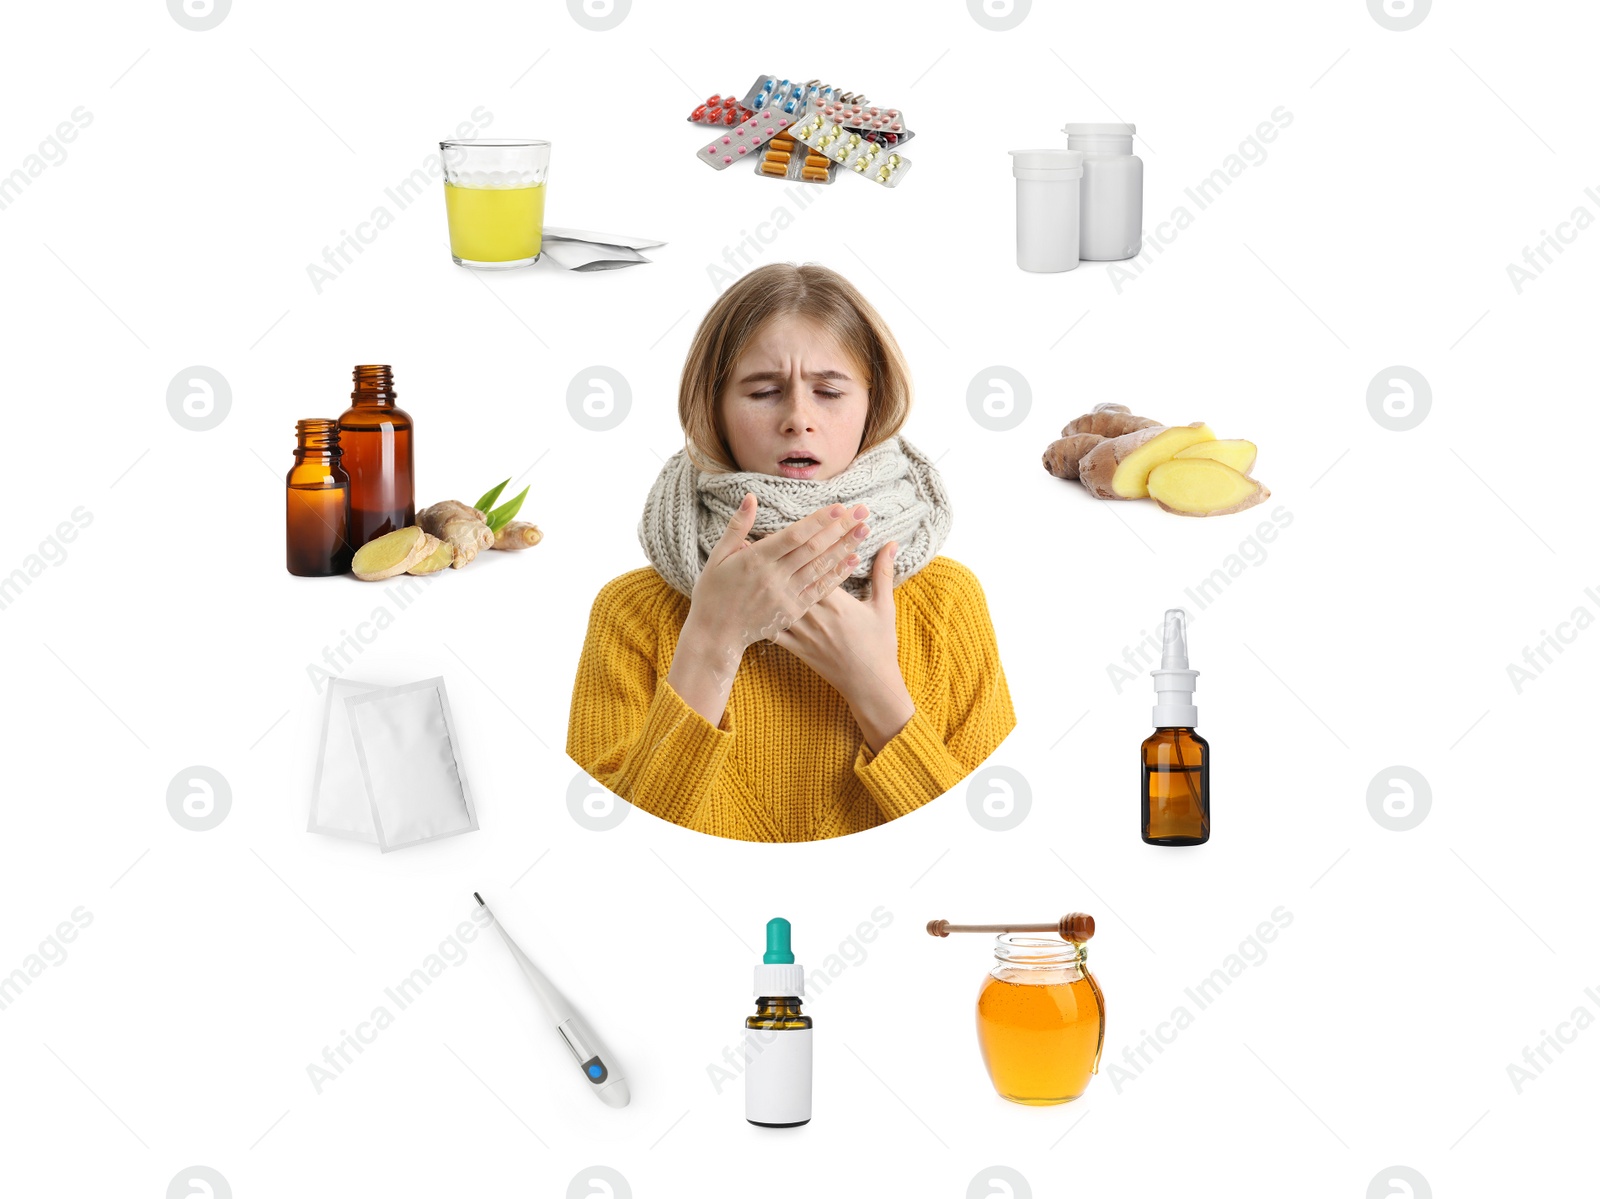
[
  {"x": 782, "y": 981},
  {"x": 1099, "y": 129},
  {"x": 1050, "y": 163}
]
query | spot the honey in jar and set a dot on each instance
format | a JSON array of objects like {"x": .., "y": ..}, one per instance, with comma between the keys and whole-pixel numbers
[{"x": 1041, "y": 1019}]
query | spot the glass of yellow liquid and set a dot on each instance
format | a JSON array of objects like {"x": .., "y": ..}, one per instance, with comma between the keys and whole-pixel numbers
[{"x": 494, "y": 200}]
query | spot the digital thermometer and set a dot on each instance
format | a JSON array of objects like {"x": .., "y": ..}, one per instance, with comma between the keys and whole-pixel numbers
[{"x": 599, "y": 1068}]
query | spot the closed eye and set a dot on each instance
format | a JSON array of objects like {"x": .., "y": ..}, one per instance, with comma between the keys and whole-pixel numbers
[{"x": 821, "y": 377}]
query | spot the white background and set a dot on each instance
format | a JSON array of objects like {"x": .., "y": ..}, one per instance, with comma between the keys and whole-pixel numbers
[{"x": 1376, "y": 630}]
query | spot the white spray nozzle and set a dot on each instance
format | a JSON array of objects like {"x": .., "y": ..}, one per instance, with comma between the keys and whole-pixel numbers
[
  {"x": 1175, "y": 681},
  {"x": 1174, "y": 642}
]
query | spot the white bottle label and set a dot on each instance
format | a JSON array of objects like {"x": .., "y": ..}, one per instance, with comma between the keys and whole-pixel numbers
[{"x": 777, "y": 1078}]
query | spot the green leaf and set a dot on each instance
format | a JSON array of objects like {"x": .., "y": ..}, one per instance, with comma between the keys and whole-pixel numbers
[
  {"x": 490, "y": 497},
  {"x": 501, "y": 516}
]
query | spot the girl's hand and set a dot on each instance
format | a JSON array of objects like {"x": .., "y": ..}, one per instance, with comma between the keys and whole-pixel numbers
[
  {"x": 852, "y": 644},
  {"x": 751, "y": 591}
]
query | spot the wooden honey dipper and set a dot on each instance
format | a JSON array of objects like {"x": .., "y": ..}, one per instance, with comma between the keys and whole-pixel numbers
[{"x": 1074, "y": 926}]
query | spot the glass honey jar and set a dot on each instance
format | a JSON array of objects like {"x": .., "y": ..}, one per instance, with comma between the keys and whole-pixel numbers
[{"x": 1041, "y": 1019}]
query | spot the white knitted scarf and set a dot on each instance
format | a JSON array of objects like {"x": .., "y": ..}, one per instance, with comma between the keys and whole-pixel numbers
[{"x": 689, "y": 510}]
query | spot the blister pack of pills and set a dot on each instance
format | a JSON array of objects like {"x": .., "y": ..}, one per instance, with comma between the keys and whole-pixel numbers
[
  {"x": 854, "y": 152},
  {"x": 720, "y": 111},
  {"x": 744, "y": 139},
  {"x": 883, "y": 125},
  {"x": 786, "y": 158},
  {"x": 772, "y": 94}
]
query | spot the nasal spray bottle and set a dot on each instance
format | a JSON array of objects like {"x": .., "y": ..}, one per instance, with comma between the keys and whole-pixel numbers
[
  {"x": 1175, "y": 761},
  {"x": 777, "y": 1039}
]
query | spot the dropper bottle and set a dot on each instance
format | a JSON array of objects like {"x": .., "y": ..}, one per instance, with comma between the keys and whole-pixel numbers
[
  {"x": 1175, "y": 761},
  {"x": 777, "y": 1039}
]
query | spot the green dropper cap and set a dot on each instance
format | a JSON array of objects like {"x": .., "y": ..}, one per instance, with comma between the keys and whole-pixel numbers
[{"x": 778, "y": 951}]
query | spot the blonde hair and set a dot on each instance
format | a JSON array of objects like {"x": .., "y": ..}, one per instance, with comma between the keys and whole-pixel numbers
[{"x": 814, "y": 293}]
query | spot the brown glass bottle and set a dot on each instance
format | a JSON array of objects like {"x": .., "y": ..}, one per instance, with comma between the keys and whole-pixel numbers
[
  {"x": 376, "y": 439},
  {"x": 1175, "y": 804},
  {"x": 318, "y": 502},
  {"x": 775, "y": 1015},
  {"x": 780, "y": 1012}
]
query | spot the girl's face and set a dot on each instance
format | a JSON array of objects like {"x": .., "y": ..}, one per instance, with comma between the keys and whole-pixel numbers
[{"x": 795, "y": 403}]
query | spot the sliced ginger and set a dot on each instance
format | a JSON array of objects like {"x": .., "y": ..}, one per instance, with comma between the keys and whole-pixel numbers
[
  {"x": 1237, "y": 453},
  {"x": 443, "y": 553},
  {"x": 447, "y": 534},
  {"x": 392, "y": 554},
  {"x": 1203, "y": 487},
  {"x": 1185, "y": 468},
  {"x": 1117, "y": 469}
]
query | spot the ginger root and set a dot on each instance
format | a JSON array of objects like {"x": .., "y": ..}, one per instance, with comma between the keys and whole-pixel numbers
[
  {"x": 1108, "y": 420},
  {"x": 464, "y": 528},
  {"x": 518, "y": 535},
  {"x": 1061, "y": 457},
  {"x": 448, "y": 533},
  {"x": 1079, "y": 436},
  {"x": 392, "y": 554},
  {"x": 1203, "y": 487},
  {"x": 1239, "y": 454},
  {"x": 1117, "y": 468},
  {"x": 1185, "y": 468}
]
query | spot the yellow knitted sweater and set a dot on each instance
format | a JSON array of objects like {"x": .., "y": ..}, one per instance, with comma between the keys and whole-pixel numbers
[{"x": 788, "y": 762}]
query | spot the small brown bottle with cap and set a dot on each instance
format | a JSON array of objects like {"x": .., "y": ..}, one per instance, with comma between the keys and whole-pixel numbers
[{"x": 1175, "y": 761}]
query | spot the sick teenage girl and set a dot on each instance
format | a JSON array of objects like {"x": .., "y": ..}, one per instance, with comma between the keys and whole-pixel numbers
[{"x": 796, "y": 662}]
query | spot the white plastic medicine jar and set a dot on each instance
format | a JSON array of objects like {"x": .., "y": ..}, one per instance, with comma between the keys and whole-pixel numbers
[
  {"x": 1111, "y": 204},
  {"x": 1047, "y": 208}
]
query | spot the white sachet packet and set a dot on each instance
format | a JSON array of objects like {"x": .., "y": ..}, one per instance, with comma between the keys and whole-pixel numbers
[
  {"x": 406, "y": 744},
  {"x": 552, "y": 233},
  {"x": 589, "y": 256},
  {"x": 339, "y": 804}
]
